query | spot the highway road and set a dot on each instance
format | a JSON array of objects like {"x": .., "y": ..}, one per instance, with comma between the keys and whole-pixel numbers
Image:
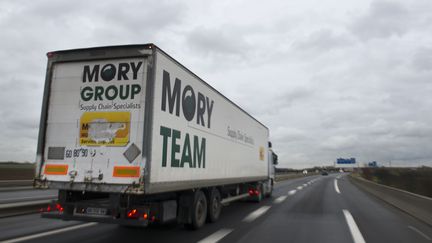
[{"x": 309, "y": 209}]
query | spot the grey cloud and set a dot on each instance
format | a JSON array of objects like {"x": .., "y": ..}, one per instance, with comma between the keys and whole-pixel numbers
[
  {"x": 223, "y": 41},
  {"x": 383, "y": 20},
  {"x": 422, "y": 60},
  {"x": 327, "y": 86},
  {"x": 322, "y": 41}
]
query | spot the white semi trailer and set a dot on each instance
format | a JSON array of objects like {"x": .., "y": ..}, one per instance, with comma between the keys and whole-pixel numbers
[{"x": 128, "y": 135}]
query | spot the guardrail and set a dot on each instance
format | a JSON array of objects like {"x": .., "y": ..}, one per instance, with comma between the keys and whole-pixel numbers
[
  {"x": 288, "y": 176},
  {"x": 415, "y": 205},
  {"x": 19, "y": 208},
  {"x": 14, "y": 183}
]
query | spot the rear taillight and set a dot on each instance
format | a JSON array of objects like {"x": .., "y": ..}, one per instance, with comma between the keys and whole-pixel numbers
[
  {"x": 253, "y": 192},
  {"x": 132, "y": 214},
  {"x": 59, "y": 207},
  {"x": 53, "y": 208}
]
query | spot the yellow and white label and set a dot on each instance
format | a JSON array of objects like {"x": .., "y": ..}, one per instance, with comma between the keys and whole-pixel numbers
[
  {"x": 261, "y": 153},
  {"x": 104, "y": 128}
]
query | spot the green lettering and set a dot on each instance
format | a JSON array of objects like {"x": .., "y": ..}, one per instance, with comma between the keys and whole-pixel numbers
[
  {"x": 124, "y": 91},
  {"x": 86, "y": 93},
  {"x": 111, "y": 92},
  {"x": 166, "y": 133},
  {"x": 135, "y": 90},
  {"x": 199, "y": 153},
  {"x": 175, "y": 148},
  {"x": 186, "y": 154},
  {"x": 98, "y": 93}
]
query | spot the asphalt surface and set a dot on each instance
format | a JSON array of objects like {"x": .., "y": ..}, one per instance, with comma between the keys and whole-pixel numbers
[{"x": 307, "y": 209}]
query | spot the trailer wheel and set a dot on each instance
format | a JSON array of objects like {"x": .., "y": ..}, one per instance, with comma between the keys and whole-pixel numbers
[
  {"x": 214, "y": 205},
  {"x": 198, "y": 211}
]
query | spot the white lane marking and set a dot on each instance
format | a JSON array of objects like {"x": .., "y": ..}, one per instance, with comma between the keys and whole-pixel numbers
[
  {"x": 52, "y": 232},
  {"x": 292, "y": 192},
  {"x": 216, "y": 236},
  {"x": 355, "y": 232},
  {"x": 304, "y": 185},
  {"x": 336, "y": 186},
  {"x": 255, "y": 214},
  {"x": 11, "y": 200},
  {"x": 299, "y": 187},
  {"x": 280, "y": 199},
  {"x": 419, "y": 232}
]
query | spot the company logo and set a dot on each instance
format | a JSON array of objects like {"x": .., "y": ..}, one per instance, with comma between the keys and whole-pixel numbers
[
  {"x": 108, "y": 72},
  {"x": 123, "y": 71},
  {"x": 193, "y": 105},
  {"x": 181, "y": 149}
]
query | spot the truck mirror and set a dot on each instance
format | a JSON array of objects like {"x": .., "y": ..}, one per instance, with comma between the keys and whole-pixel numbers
[{"x": 275, "y": 159}]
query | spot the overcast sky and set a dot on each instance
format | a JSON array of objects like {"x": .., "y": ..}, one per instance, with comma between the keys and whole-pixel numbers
[{"x": 329, "y": 78}]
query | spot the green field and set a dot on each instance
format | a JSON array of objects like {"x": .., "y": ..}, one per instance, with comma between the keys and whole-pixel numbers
[
  {"x": 415, "y": 180},
  {"x": 16, "y": 171}
]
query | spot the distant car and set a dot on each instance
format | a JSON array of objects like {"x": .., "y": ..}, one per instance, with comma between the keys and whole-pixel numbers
[{"x": 324, "y": 173}]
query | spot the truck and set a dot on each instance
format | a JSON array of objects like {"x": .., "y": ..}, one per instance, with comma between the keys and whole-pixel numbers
[{"x": 130, "y": 136}]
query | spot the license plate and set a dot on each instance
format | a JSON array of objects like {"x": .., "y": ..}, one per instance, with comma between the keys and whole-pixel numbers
[{"x": 96, "y": 211}]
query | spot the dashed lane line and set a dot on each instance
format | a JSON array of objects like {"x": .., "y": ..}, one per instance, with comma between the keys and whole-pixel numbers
[
  {"x": 216, "y": 236},
  {"x": 336, "y": 186},
  {"x": 255, "y": 214},
  {"x": 280, "y": 199},
  {"x": 292, "y": 192},
  {"x": 51, "y": 232},
  {"x": 355, "y": 232}
]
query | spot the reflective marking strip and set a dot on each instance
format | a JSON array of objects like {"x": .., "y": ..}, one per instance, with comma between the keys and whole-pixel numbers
[
  {"x": 52, "y": 232},
  {"x": 355, "y": 232},
  {"x": 126, "y": 171},
  {"x": 255, "y": 214},
  {"x": 51, "y": 169},
  {"x": 216, "y": 236},
  {"x": 336, "y": 186}
]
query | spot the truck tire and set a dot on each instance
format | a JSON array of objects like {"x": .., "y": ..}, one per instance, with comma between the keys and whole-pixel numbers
[
  {"x": 214, "y": 205},
  {"x": 198, "y": 211}
]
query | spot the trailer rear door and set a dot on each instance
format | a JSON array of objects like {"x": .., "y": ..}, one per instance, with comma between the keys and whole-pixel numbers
[{"x": 94, "y": 128}]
